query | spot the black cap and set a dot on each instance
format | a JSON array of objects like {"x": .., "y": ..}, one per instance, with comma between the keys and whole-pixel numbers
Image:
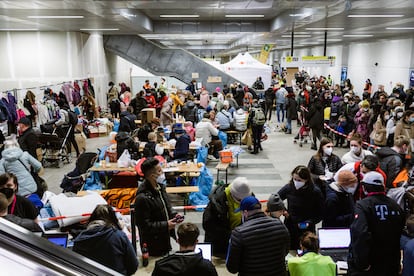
[{"x": 25, "y": 121}]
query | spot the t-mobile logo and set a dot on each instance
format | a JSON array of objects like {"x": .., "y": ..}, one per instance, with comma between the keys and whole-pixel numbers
[{"x": 382, "y": 211}]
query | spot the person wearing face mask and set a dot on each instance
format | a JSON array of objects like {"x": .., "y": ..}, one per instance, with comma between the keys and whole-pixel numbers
[
  {"x": 339, "y": 203},
  {"x": 17, "y": 205},
  {"x": 395, "y": 117},
  {"x": 258, "y": 235},
  {"x": 305, "y": 205},
  {"x": 356, "y": 152},
  {"x": 392, "y": 159},
  {"x": 219, "y": 218},
  {"x": 375, "y": 231},
  {"x": 324, "y": 164},
  {"x": 154, "y": 216}
]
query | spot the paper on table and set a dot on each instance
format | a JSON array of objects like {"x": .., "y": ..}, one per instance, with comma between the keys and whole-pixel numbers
[{"x": 342, "y": 265}]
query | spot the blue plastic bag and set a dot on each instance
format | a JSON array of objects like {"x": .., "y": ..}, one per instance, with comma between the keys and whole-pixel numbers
[
  {"x": 204, "y": 183},
  {"x": 202, "y": 153},
  {"x": 223, "y": 137},
  {"x": 93, "y": 182},
  {"x": 116, "y": 125}
]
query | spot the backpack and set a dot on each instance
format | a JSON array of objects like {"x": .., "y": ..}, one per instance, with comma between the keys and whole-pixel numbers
[
  {"x": 73, "y": 118},
  {"x": 259, "y": 117}
]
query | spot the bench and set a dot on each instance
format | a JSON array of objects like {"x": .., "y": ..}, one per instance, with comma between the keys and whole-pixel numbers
[
  {"x": 239, "y": 133},
  {"x": 222, "y": 167},
  {"x": 182, "y": 190}
]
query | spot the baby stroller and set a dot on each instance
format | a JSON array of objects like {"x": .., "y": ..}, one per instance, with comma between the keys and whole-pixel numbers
[
  {"x": 73, "y": 181},
  {"x": 304, "y": 130},
  {"x": 54, "y": 144}
]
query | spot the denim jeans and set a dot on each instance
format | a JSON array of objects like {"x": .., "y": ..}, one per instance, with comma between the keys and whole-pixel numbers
[
  {"x": 289, "y": 124},
  {"x": 279, "y": 108}
]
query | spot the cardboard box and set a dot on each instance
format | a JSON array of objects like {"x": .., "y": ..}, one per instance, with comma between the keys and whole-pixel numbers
[
  {"x": 81, "y": 141},
  {"x": 147, "y": 114}
]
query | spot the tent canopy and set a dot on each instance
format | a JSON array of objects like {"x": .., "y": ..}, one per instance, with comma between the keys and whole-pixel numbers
[{"x": 246, "y": 69}]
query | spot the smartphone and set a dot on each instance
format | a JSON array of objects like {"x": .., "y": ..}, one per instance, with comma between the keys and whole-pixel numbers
[{"x": 303, "y": 225}]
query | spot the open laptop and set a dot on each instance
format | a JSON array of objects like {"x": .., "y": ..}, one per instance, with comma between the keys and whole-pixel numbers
[
  {"x": 60, "y": 239},
  {"x": 334, "y": 242},
  {"x": 205, "y": 249}
]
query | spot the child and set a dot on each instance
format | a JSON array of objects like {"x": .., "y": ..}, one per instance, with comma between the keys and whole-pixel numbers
[
  {"x": 340, "y": 138},
  {"x": 188, "y": 126}
]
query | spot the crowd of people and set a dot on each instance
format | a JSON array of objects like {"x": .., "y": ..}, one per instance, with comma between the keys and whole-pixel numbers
[{"x": 348, "y": 191}]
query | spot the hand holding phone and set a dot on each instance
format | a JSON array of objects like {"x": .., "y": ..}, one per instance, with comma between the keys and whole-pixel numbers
[{"x": 178, "y": 218}]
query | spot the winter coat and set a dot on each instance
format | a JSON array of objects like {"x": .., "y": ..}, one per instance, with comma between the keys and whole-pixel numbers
[
  {"x": 280, "y": 95},
  {"x": 204, "y": 99},
  {"x": 113, "y": 94},
  {"x": 315, "y": 116},
  {"x": 339, "y": 207},
  {"x": 177, "y": 102},
  {"x": 375, "y": 237},
  {"x": 166, "y": 113},
  {"x": 19, "y": 162},
  {"x": 108, "y": 246},
  {"x": 125, "y": 142},
  {"x": 262, "y": 236},
  {"x": 152, "y": 212},
  {"x": 408, "y": 259},
  {"x": 184, "y": 263},
  {"x": 225, "y": 119},
  {"x": 152, "y": 103},
  {"x": 28, "y": 142},
  {"x": 304, "y": 205},
  {"x": 138, "y": 104},
  {"x": 182, "y": 147},
  {"x": 240, "y": 120},
  {"x": 205, "y": 130},
  {"x": 317, "y": 165},
  {"x": 361, "y": 122},
  {"x": 291, "y": 108},
  {"x": 351, "y": 157},
  {"x": 190, "y": 112},
  {"x": 22, "y": 207},
  {"x": 127, "y": 121},
  {"x": 270, "y": 96},
  {"x": 402, "y": 128},
  {"x": 215, "y": 221},
  {"x": 391, "y": 162}
]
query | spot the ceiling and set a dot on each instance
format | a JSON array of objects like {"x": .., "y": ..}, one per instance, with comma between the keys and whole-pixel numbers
[{"x": 213, "y": 32}]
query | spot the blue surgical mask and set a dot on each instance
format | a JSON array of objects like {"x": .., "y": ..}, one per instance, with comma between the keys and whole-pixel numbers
[{"x": 411, "y": 120}]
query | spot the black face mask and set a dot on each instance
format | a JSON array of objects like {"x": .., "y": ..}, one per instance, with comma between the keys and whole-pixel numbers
[{"x": 8, "y": 192}]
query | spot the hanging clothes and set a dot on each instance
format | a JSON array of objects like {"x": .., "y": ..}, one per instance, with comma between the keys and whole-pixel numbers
[
  {"x": 42, "y": 114},
  {"x": 76, "y": 94},
  {"x": 11, "y": 102},
  {"x": 67, "y": 89}
]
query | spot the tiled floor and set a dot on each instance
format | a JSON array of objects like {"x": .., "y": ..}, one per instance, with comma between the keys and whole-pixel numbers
[{"x": 267, "y": 172}]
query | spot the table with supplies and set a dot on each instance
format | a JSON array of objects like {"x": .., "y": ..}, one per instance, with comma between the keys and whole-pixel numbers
[{"x": 102, "y": 166}]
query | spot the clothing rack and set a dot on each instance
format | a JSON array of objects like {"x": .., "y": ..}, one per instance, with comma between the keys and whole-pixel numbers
[{"x": 41, "y": 87}]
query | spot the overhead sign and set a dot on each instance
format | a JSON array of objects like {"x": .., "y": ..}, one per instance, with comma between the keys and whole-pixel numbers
[
  {"x": 264, "y": 53},
  {"x": 290, "y": 61},
  {"x": 318, "y": 60},
  {"x": 213, "y": 79}
]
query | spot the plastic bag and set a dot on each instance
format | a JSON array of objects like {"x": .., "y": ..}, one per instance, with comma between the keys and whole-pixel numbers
[
  {"x": 124, "y": 160},
  {"x": 204, "y": 183},
  {"x": 223, "y": 137},
  {"x": 202, "y": 153},
  {"x": 93, "y": 182}
]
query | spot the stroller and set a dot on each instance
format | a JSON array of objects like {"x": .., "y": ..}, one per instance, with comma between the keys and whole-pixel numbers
[
  {"x": 73, "y": 181},
  {"x": 304, "y": 130},
  {"x": 54, "y": 144}
]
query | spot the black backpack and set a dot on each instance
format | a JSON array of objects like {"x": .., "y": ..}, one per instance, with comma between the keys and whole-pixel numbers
[{"x": 73, "y": 118}]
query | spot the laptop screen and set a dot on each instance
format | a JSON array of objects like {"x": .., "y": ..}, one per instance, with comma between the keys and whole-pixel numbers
[
  {"x": 205, "y": 248},
  {"x": 334, "y": 238},
  {"x": 60, "y": 239}
]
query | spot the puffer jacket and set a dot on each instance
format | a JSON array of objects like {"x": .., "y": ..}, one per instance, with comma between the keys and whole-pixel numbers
[
  {"x": 190, "y": 112},
  {"x": 225, "y": 119},
  {"x": 153, "y": 210},
  {"x": 184, "y": 263},
  {"x": 240, "y": 120},
  {"x": 19, "y": 162},
  {"x": 205, "y": 130},
  {"x": 262, "y": 236}
]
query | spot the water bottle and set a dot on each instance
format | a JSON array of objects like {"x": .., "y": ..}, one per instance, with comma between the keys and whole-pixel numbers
[
  {"x": 145, "y": 255},
  {"x": 107, "y": 161}
]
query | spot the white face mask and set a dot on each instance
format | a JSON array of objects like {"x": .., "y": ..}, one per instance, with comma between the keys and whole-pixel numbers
[
  {"x": 161, "y": 179},
  {"x": 328, "y": 151},
  {"x": 387, "y": 117},
  {"x": 350, "y": 190},
  {"x": 298, "y": 184},
  {"x": 354, "y": 149}
]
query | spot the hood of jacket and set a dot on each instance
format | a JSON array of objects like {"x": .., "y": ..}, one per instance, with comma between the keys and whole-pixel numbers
[
  {"x": 88, "y": 237},
  {"x": 336, "y": 99},
  {"x": 385, "y": 151},
  {"x": 180, "y": 263},
  {"x": 122, "y": 136},
  {"x": 240, "y": 111},
  {"x": 12, "y": 154}
]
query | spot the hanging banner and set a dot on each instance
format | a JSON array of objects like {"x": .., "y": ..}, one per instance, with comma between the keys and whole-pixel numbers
[
  {"x": 289, "y": 62},
  {"x": 318, "y": 60},
  {"x": 264, "y": 53},
  {"x": 412, "y": 77}
]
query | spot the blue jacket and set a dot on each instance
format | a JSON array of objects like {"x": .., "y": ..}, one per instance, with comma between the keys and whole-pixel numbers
[
  {"x": 339, "y": 207},
  {"x": 107, "y": 246},
  {"x": 18, "y": 162},
  {"x": 182, "y": 147}
]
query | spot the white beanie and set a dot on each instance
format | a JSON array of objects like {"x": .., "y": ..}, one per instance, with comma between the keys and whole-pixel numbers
[{"x": 240, "y": 188}]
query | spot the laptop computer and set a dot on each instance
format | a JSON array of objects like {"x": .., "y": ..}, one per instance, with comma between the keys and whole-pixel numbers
[
  {"x": 60, "y": 239},
  {"x": 205, "y": 249},
  {"x": 334, "y": 242}
]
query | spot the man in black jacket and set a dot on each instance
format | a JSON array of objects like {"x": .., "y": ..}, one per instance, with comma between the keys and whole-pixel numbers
[
  {"x": 154, "y": 216},
  {"x": 375, "y": 231},
  {"x": 28, "y": 138},
  {"x": 259, "y": 245},
  {"x": 185, "y": 262}
]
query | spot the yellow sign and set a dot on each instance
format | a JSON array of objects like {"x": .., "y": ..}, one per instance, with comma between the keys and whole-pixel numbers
[
  {"x": 318, "y": 60},
  {"x": 264, "y": 54}
]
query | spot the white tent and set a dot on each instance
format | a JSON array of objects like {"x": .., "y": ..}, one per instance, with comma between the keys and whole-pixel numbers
[{"x": 246, "y": 69}]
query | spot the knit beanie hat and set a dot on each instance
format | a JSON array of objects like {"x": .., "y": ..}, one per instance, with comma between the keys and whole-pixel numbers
[
  {"x": 346, "y": 178},
  {"x": 239, "y": 189},
  {"x": 275, "y": 203}
]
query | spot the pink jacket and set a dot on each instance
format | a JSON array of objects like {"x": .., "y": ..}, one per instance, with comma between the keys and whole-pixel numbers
[{"x": 204, "y": 99}]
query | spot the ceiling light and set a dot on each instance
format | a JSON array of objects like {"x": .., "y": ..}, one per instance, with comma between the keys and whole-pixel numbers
[
  {"x": 245, "y": 15},
  {"x": 297, "y": 14},
  {"x": 111, "y": 29},
  {"x": 400, "y": 28},
  {"x": 358, "y": 35},
  {"x": 295, "y": 35},
  {"x": 179, "y": 15},
  {"x": 18, "y": 30},
  {"x": 324, "y": 29},
  {"x": 330, "y": 39},
  {"x": 55, "y": 16},
  {"x": 375, "y": 15}
]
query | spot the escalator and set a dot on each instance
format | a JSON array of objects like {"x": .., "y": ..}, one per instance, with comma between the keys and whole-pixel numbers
[{"x": 161, "y": 61}]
